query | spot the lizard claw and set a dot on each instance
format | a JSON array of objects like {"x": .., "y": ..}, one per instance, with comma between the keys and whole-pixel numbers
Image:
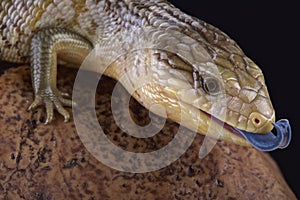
[{"x": 66, "y": 95}]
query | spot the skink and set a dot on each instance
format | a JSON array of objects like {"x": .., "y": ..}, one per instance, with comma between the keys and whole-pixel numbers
[{"x": 45, "y": 33}]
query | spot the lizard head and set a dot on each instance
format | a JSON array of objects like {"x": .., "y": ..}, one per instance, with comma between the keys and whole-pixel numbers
[
  {"x": 233, "y": 97},
  {"x": 210, "y": 88},
  {"x": 226, "y": 101}
]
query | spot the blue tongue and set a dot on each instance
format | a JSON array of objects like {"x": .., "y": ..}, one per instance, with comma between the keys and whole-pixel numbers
[{"x": 270, "y": 141}]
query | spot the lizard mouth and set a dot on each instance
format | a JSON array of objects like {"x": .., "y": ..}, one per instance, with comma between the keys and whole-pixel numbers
[
  {"x": 279, "y": 137},
  {"x": 225, "y": 125}
]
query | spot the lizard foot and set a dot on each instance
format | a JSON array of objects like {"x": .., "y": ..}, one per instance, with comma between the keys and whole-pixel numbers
[{"x": 53, "y": 98}]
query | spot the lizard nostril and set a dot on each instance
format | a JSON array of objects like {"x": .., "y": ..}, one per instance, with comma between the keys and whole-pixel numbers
[
  {"x": 259, "y": 123},
  {"x": 256, "y": 121}
]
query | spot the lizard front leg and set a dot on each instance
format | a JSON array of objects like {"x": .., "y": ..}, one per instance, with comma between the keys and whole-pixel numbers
[{"x": 46, "y": 46}]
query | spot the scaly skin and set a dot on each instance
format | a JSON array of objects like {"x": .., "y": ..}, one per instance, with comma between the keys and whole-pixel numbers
[{"x": 46, "y": 32}]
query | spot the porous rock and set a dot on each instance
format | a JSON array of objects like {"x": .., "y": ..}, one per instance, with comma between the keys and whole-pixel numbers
[{"x": 49, "y": 162}]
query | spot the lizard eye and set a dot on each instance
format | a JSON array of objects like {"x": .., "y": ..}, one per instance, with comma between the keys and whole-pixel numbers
[{"x": 211, "y": 85}]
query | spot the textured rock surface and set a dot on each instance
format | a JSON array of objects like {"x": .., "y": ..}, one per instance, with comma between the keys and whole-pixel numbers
[{"x": 50, "y": 162}]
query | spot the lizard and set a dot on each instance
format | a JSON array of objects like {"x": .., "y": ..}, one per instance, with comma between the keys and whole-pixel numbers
[{"x": 46, "y": 33}]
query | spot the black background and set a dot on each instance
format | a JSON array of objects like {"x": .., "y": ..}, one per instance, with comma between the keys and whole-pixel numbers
[{"x": 269, "y": 34}]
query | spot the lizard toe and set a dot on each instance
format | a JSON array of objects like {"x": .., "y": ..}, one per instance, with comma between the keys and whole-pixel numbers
[
  {"x": 35, "y": 103},
  {"x": 49, "y": 111},
  {"x": 61, "y": 109}
]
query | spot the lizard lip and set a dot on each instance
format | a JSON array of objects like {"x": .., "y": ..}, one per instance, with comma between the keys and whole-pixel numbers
[
  {"x": 266, "y": 141},
  {"x": 226, "y": 126}
]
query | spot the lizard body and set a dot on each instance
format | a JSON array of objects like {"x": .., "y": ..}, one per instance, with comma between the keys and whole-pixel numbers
[{"x": 47, "y": 32}]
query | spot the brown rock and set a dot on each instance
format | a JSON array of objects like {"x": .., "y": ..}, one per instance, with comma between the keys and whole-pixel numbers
[{"x": 50, "y": 162}]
